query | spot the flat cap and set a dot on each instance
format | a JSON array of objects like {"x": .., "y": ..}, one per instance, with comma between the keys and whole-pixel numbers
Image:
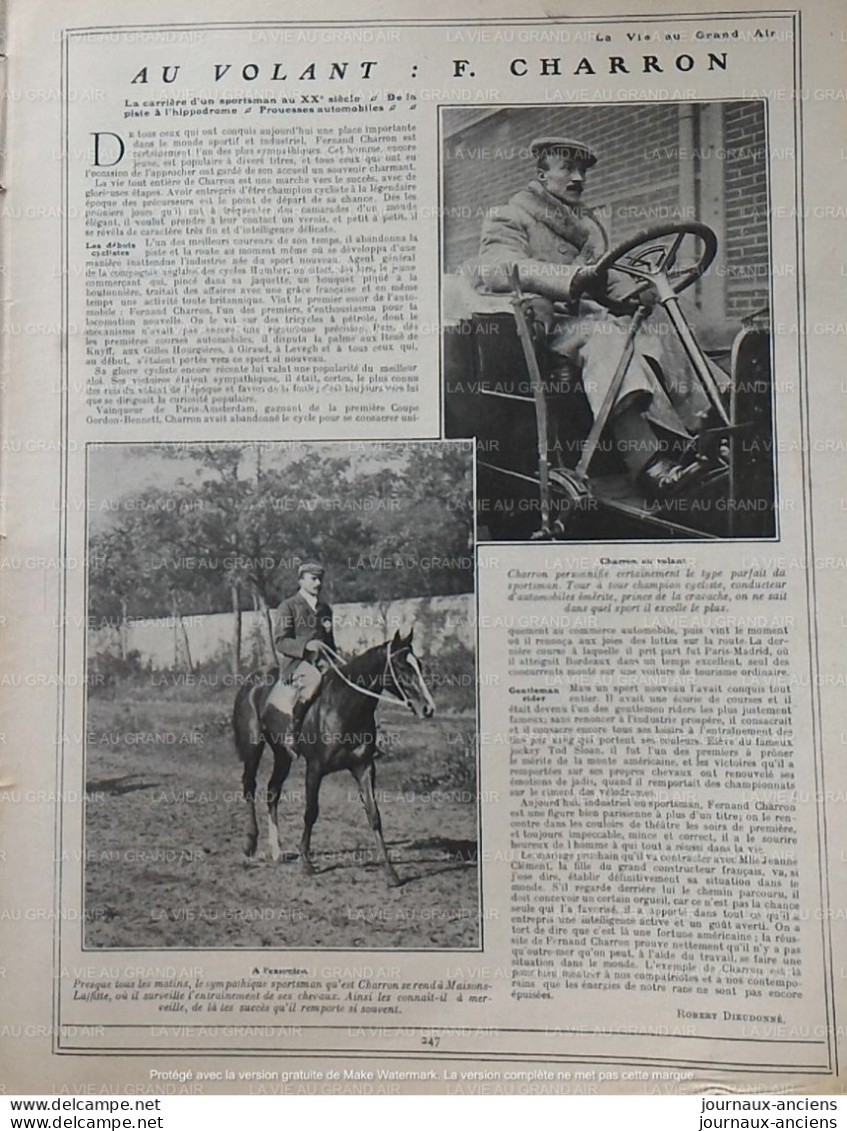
[
  {"x": 311, "y": 567},
  {"x": 575, "y": 149}
]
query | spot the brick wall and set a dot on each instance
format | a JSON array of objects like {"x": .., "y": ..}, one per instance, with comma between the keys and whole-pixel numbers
[{"x": 746, "y": 207}]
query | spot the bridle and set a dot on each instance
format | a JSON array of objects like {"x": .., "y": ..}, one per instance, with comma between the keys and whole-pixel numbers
[{"x": 331, "y": 656}]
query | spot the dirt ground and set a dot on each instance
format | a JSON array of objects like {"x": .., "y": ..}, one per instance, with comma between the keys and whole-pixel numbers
[{"x": 165, "y": 830}]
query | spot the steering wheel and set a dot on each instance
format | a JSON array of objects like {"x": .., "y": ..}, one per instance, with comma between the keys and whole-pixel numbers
[{"x": 650, "y": 257}]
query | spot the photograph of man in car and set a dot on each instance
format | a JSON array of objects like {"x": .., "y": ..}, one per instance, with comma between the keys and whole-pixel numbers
[{"x": 554, "y": 240}]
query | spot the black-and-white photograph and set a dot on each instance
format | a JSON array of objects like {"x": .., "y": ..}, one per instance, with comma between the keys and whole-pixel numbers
[
  {"x": 281, "y": 716},
  {"x": 605, "y": 303}
]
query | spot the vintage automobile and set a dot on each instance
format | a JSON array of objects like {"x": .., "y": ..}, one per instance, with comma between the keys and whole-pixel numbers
[{"x": 548, "y": 469}]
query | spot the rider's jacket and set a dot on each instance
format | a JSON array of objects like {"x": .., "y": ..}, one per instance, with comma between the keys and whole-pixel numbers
[
  {"x": 535, "y": 225},
  {"x": 296, "y": 624}
]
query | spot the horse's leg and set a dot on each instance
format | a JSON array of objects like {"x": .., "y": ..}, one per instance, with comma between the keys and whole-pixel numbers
[
  {"x": 282, "y": 764},
  {"x": 249, "y": 742},
  {"x": 251, "y": 756},
  {"x": 313, "y": 785},
  {"x": 365, "y": 775}
]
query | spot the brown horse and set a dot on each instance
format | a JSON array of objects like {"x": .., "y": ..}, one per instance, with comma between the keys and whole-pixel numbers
[{"x": 338, "y": 732}]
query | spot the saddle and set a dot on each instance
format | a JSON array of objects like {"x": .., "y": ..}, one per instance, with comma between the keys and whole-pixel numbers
[{"x": 282, "y": 697}]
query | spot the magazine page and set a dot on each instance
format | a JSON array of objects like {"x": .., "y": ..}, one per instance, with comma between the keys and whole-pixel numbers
[{"x": 423, "y": 577}]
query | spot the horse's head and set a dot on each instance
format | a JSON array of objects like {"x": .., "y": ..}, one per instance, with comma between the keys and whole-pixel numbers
[{"x": 404, "y": 678}]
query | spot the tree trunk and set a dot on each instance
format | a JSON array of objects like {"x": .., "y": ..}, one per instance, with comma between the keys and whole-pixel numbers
[
  {"x": 123, "y": 630},
  {"x": 384, "y": 608},
  {"x": 263, "y": 604},
  {"x": 175, "y": 619},
  {"x": 236, "y": 629},
  {"x": 181, "y": 644},
  {"x": 189, "y": 663}
]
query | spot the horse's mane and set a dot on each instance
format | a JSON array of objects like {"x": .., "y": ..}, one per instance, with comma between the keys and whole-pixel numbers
[{"x": 358, "y": 665}]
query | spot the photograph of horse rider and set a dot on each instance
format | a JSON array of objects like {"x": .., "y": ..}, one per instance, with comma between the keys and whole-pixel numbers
[
  {"x": 553, "y": 239},
  {"x": 303, "y": 627}
]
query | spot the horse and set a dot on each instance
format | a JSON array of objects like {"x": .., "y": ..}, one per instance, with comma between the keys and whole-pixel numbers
[{"x": 337, "y": 732}]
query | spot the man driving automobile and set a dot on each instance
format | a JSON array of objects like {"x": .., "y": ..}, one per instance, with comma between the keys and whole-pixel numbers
[{"x": 554, "y": 241}]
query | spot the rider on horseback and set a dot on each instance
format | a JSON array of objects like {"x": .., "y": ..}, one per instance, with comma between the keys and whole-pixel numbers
[{"x": 303, "y": 627}]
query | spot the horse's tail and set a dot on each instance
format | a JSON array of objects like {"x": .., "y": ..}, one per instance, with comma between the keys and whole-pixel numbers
[{"x": 247, "y": 711}]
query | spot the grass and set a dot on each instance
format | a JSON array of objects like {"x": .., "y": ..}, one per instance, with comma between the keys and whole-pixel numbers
[{"x": 165, "y": 825}]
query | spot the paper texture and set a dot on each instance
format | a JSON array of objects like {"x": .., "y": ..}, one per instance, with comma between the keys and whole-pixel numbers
[{"x": 474, "y": 380}]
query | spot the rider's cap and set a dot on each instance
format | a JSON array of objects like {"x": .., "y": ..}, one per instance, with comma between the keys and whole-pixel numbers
[
  {"x": 311, "y": 567},
  {"x": 564, "y": 145}
]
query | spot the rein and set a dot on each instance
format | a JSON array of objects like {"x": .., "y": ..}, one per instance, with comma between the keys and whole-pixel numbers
[{"x": 332, "y": 656}]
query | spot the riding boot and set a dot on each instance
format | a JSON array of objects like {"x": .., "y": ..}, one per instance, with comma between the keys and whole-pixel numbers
[
  {"x": 565, "y": 403},
  {"x": 298, "y": 713}
]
